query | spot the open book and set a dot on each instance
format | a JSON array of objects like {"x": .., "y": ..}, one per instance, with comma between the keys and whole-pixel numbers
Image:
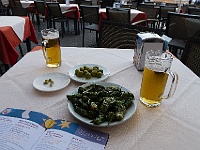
[{"x": 29, "y": 130}]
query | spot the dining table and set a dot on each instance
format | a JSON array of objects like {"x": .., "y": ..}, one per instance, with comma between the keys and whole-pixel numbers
[
  {"x": 175, "y": 124},
  {"x": 13, "y": 31},
  {"x": 135, "y": 15}
]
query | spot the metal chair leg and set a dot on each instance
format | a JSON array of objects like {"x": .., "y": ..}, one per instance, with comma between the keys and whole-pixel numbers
[{"x": 20, "y": 48}]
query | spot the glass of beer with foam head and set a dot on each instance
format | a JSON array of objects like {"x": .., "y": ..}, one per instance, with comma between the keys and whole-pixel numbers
[
  {"x": 155, "y": 77},
  {"x": 51, "y": 47}
]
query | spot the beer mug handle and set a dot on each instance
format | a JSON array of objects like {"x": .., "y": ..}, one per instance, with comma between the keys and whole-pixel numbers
[
  {"x": 44, "y": 43},
  {"x": 173, "y": 84}
]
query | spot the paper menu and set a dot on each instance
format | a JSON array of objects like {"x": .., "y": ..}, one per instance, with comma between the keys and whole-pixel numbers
[{"x": 47, "y": 133}]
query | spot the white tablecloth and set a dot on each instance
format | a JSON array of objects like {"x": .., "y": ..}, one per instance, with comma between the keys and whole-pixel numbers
[
  {"x": 175, "y": 125},
  {"x": 26, "y": 4},
  {"x": 17, "y": 24}
]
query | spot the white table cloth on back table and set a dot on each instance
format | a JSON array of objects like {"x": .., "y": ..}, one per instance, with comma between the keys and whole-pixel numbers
[{"x": 174, "y": 125}]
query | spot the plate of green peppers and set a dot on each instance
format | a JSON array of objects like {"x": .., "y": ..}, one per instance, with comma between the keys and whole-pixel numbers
[{"x": 101, "y": 104}]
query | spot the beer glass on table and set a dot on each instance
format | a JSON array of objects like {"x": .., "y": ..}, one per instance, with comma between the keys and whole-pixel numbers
[
  {"x": 155, "y": 76},
  {"x": 51, "y": 47}
]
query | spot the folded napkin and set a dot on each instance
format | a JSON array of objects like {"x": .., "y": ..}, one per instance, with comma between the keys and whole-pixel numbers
[{"x": 17, "y": 24}]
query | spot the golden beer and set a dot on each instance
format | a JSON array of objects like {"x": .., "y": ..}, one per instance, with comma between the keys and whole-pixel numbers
[
  {"x": 153, "y": 86},
  {"x": 155, "y": 76},
  {"x": 51, "y": 48}
]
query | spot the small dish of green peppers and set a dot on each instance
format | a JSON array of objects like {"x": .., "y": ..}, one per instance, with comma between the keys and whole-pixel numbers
[
  {"x": 101, "y": 104},
  {"x": 87, "y": 73}
]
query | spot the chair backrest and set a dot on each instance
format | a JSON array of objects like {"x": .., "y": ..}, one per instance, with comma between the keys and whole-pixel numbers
[
  {"x": 61, "y": 1},
  {"x": 185, "y": 7},
  {"x": 12, "y": 4},
  {"x": 151, "y": 12},
  {"x": 120, "y": 35},
  {"x": 1, "y": 12},
  {"x": 90, "y": 14},
  {"x": 19, "y": 11},
  {"x": 54, "y": 9},
  {"x": 134, "y": 4},
  {"x": 118, "y": 14},
  {"x": 191, "y": 55},
  {"x": 145, "y": 5},
  {"x": 85, "y": 2},
  {"x": 181, "y": 26},
  {"x": 172, "y": 4},
  {"x": 106, "y": 3},
  {"x": 193, "y": 10},
  {"x": 163, "y": 12},
  {"x": 82, "y": 2},
  {"x": 40, "y": 7},
  {"x": 47, "y": 1}
]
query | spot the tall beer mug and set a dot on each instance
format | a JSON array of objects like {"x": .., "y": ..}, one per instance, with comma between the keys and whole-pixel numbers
[
  {"x": 51, "y": 47},
  {"x": 155, "y": 77}
]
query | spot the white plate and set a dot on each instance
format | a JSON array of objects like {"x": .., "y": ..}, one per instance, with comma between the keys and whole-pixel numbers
[
  {"x": 105, "y": 75},
  {"x": 60, "y": 81},
  {"x": 130, "y": 111}
]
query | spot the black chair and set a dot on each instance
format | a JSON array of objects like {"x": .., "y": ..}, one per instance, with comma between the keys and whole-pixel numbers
[
  {"x": 172, "y": 4},
  {"x": 3, "y": 10},
  {"x": 40, "y": 12},
  {"x": 118, "y": 14},
  {"x": 152, "y": 15},
  {"x": 191, "y": 55},
  {"x": 134, "y": 4},
  {"x": 17, "y": 3},
  {"x": 19, "y": 11},
  {"x": 61, "y": 1},
  {"x": 184, "y": 8},
  {"x": 179, "y": 27},
  {"x": 56, "y": 15},
  {"x": 106, "y": 3},
  {"x": 90, "y": 16},
  {"x": 82, "y": 2},
  {"x": 194, "y": 10},
  {"x": 121, "y": 35},
  {"x": 163, "y": 12},
  {"x": 148, "y": 3}
]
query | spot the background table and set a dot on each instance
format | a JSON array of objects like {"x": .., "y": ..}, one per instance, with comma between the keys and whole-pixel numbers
[
  {"x": 9, "y": 40},
  {"x": 174, "y": 125}
]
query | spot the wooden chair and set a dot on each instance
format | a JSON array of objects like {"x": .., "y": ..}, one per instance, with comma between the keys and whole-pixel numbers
[
  {"x": 191, "y": 55},
  {"x": 118, "y": 14},
  {"x": 121, "y": 35},
  {"x": 180, "y": 27},
  {"x": 90, "y": 16}
]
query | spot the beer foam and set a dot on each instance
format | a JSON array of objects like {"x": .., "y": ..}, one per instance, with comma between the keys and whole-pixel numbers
[{"x": 51, "y": 35}]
